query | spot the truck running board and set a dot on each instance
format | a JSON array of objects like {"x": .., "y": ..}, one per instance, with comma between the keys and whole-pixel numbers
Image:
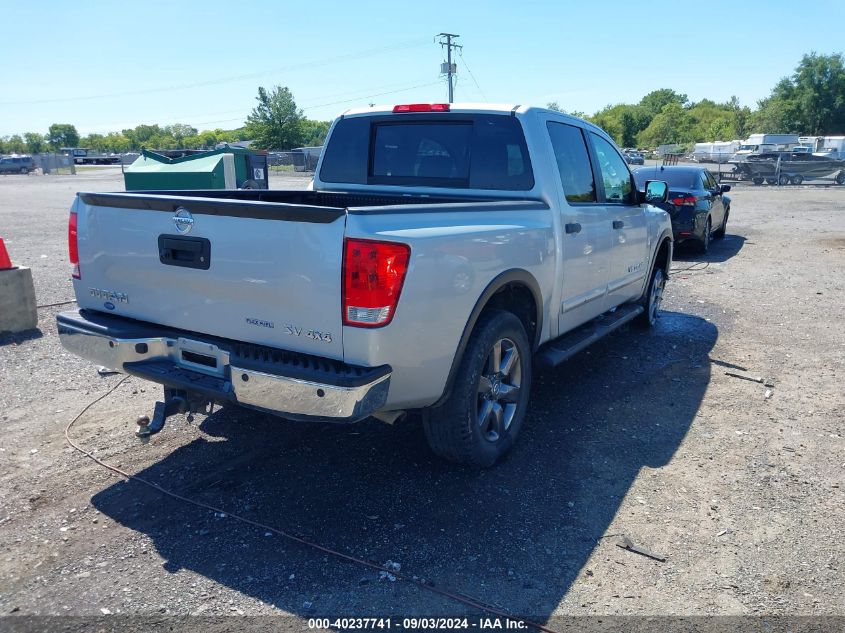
[{"x": 571, "y": 343}]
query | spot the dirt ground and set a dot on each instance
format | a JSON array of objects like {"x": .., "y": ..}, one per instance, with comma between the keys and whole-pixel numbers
[{"x": 738, "y": 485}]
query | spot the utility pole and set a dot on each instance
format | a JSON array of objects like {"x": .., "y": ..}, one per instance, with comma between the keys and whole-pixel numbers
[{"x": 449, "y": 68}]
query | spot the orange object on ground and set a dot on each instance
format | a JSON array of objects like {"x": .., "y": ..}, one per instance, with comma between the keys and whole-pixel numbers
[{"x": 5, "y": 262}]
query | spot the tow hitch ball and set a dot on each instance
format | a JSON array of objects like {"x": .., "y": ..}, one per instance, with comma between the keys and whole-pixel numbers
[
  {"x": 175, "y": 402},
  {"x": 163, "y": 410}
]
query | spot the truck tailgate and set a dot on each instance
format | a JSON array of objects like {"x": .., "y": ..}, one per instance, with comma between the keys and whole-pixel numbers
[{"x": 251, "y": 271}]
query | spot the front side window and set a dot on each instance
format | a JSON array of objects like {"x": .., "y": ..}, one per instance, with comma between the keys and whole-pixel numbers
[
  {"x": 614, "y": 172},
  {"x": 573, "y": 162}
]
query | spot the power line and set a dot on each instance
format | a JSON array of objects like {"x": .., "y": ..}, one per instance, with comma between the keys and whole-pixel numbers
[
  {"x": 307, "y": 106},
  {"x": 379, "y": 94},
  {"x": 322, "y": 105},
  {"x": 231, "y": 78},
  {"x": 461, "y": 53}
]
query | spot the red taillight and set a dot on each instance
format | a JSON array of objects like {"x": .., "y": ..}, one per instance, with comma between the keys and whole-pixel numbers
[
  {"x": 373, "y": 274},
  {"x": 684, "y": 201},
  {"x": 422, "y": 107},
  {"x": 73, "y": 246}
]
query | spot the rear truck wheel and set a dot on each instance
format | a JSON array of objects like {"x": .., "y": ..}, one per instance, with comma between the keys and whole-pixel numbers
[
  {"x": 758, "y": 181},
  {"x": 720, "y": 233},
  {"x": 840, "y": 178},
  {"x": 653, "y": 297},
  {"x": 704, "y": 245},
  {"x": 797, "y": 179},
  {"x": 482, "y": 416},
  {"x": 771, "y": 181},
  {"x": 784, "y": 180}
]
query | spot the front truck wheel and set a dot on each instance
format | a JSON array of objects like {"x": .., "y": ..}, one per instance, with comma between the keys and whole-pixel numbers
[
  {"x": 481, "y": 418},
  {"x": 652, "y": 299}
]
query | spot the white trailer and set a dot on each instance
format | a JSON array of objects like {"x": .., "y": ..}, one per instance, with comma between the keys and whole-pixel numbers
[{"x": 715, "y": 152}]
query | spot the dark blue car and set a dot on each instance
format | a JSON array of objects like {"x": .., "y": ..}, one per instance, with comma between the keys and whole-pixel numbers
[{"x": 697, "y": 203}]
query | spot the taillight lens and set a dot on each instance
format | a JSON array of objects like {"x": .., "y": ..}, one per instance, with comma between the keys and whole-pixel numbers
[
  {"x": 73, "y": 246},
  {"x": 373, "y": 274},
  {"x": 684, "y": 201}
]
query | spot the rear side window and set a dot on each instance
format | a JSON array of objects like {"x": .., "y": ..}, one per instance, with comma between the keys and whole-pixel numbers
[
  {"x": 454, "y": 151},
  {"x": 573, "y": 162}
]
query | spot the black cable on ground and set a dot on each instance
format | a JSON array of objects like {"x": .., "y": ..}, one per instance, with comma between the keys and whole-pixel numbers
[
  {"x": 466, "y": 600},
  {"x": 55, "y": 305},
  {"x": 694, "y": 268}
]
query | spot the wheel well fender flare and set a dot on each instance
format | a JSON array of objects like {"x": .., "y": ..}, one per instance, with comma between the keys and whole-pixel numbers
[
  {"x": 665, "y": 238},
  {"x": 515, "y": 276}
]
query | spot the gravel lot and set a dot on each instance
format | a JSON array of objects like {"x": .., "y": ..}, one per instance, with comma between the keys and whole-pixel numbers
[{"x": 644, "y": 434}]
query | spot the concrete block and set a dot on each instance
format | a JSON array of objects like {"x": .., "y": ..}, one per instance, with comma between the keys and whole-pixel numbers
[{"x": 17, "y": 300}]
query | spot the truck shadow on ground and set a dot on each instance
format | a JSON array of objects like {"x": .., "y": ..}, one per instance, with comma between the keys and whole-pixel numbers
[
  {"x": 515, "y": 536},
  {"x": 720, "y": 250}
]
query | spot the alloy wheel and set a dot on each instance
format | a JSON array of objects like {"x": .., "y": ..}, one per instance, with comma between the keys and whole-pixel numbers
[
  {"x": 658, "y": 285},
  {"x": 498, "y": 390}
]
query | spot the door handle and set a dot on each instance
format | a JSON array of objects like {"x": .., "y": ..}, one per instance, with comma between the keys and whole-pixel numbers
[
  {"x": 618, "y": 224},
  {"x": 573, "y": 227}
]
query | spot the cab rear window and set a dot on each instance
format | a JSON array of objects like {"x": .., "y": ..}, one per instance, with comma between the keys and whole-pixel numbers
[{"x": 452, "y": 151}]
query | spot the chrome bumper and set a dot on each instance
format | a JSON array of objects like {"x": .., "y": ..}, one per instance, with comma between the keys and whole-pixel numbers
[{"x": 287, "y": 396}]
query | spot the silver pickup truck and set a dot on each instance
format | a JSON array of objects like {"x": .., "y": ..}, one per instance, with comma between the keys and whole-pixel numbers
[{"x": 443, "y": 253}]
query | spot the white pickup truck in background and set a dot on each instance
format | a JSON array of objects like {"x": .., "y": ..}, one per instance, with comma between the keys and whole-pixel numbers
[{"x": 444, "y": 251}]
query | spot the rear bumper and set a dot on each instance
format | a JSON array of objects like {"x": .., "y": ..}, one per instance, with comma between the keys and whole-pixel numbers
[{"x": 288, "y": 384}]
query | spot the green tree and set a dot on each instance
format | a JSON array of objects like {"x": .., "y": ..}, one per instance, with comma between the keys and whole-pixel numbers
[
  {"x": 94, "y": 141},
  {"x": 654, "y": 102},
  {"x": 623, "y": 122},
  {"x": 275, "y": 123},
  {"x": 314, "y": 132},
  {"x": 812, "y": 101},
  {"x": 179, "y": 132},
  {"x": 62, "y": 135},
  {"x": 672, "y": 125},
  {"x": 553, "y": 105},
  {"x": 15, "y": 144},
  {"x": 116, "y": 142},
  {"x": 778, "y": 113},
  {"x": 34, "y": 142}
]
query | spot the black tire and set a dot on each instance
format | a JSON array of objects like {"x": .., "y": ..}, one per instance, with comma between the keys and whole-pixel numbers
[
  {"x": 784, "y": 180},
  {"x": 797, "y": 179},
  {"x": 459, "y": 430},
  {"x": 704, "y": 244},
  {"x": 24, "y": 171},
  {"x": 758, "y": 181},
  {"x": 771, "y": 181},
  {"x": 840, "y": 178},
  {"x": 653, "y": 297},
  {"x": 719, "y": 234}
]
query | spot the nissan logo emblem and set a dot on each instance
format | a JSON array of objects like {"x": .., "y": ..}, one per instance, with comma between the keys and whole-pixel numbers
[{"x": 183, "y": 220}]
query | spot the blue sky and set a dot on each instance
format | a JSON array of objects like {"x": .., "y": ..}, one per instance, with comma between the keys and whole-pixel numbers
[{"x": 104, "y": 66}]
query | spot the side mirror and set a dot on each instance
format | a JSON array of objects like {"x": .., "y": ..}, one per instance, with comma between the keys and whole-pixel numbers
[
  {"x": 656, "y": 191},
  {"x": 725, "y": 188}
]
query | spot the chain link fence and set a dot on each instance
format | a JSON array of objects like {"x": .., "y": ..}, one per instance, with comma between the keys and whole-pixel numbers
[
  {"x": 297, "y": 160},
  {"x": 55, "y": 164}
]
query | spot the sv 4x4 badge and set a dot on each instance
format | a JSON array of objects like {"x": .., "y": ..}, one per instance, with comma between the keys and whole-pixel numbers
[{"x": 295, "y": 330}]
